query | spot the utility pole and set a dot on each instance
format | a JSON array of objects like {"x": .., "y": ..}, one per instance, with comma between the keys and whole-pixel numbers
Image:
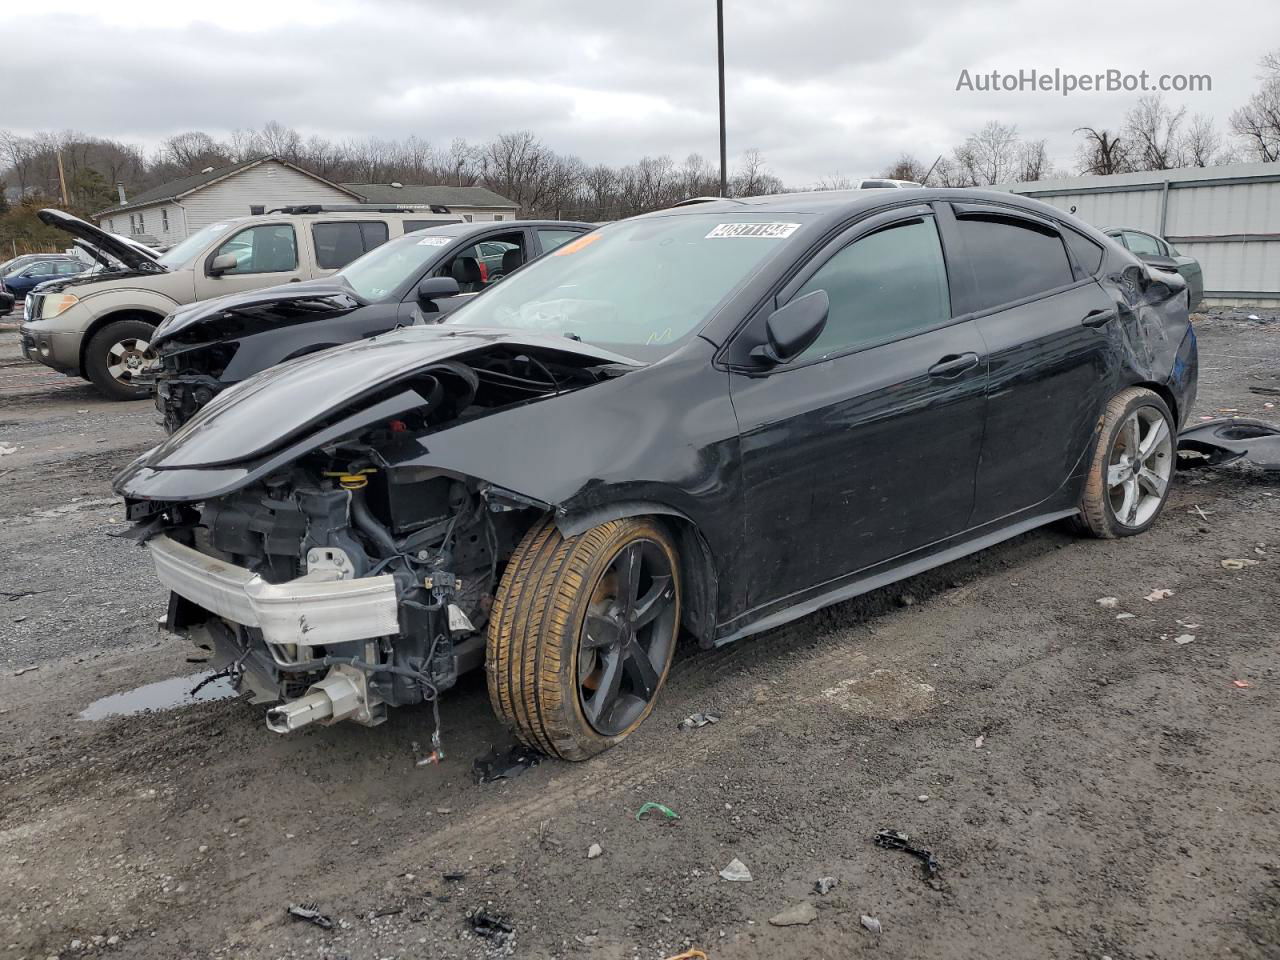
[
  {"x": 62, "y": 179},
  {"x": 724, "y": 163}
]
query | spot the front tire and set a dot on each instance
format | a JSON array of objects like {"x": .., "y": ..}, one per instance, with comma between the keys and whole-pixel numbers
[
  {"x": 116, "y": 355},
  {"x": 1132, "y": 468},
  {"x": 582, "y": 634}
]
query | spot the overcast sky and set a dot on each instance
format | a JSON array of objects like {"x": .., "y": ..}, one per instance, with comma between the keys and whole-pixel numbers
[{"x": 819, "y": 87}]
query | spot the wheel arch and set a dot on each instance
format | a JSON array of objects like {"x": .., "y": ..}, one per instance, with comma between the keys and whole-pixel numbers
[
  {"x": 1164, "y": 393},
  {"x": 698, "y": 582},
  {"x": 124, "y": 313}
]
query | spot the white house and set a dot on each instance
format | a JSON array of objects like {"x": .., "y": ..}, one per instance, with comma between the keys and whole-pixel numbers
[
  {"x": 473, "y": 204},
  {"x": 174, "y": 210},
  {"x": 169, "y": 213}
]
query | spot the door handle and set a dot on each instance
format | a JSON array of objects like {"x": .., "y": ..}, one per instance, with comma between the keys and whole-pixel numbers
[
  {"x": 1096, "y": 318},
  {"x": 953, "y": 365}
]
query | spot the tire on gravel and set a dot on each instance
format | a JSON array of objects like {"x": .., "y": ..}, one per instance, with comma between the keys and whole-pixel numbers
[
  {"x": 97, "y": 359},
  {"x": 1097, "y": 515},
  {"x": 534, "y": 632}
]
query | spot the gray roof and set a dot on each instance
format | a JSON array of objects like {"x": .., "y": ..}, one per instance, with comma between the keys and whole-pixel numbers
[
  {"x": 445, "y": 196},
  {"x": 184, "y": 185}
]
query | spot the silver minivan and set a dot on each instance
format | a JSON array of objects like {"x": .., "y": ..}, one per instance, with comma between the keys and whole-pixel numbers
[{"x": 98, "y": 326}]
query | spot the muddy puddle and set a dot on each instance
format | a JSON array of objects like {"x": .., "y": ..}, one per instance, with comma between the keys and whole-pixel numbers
[{"x": 161, "y": 695}]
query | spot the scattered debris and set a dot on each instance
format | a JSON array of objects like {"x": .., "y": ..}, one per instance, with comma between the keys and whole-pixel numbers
[
  {"x": 906, "y": 600},
  {"x": 490, "y": 926},
  {"x": 872, "y": 924},
  {"x": 825, "y": 885},
  {"x": 595, "y": 850},
  {"x": 660, "y": 807},
  {"x": 1242, "y": 684},
  {"x": 691, "y": 954},
  {"x": 981, "y": 739},
  {"x": 1223, "y": 440},
  {"x": 1158, "y": 594},
  {"x": 794, "y": 916},
  {"x": 923, "y": 798},
  {"x": 504, "y": 764},
  {"x": 1184, "y": 638},
  {"x": 697, "y": 720},
  {"x": 1239, "y": 563},
  {"x": 311, "y": 914},
  {"x": 1107, "y": 603},
  {"x": 6, "y": 449},
  {"x": 21, "y": 670},
  {"x": 453, "y": 877},
  {"x": 1266, "y": 391},
  {"x": 736, "y": 871},
  {"x": 1203, "y": 516},
  {"x": 1125, "y": 616},
  {"x": 897, "y": 840}
]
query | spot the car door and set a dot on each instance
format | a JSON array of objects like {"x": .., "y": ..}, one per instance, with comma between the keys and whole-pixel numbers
[
  {"x": 266, "y": 254},
  {"x": 863, "y": 448},
  {"x": 1029, "y": 286}
]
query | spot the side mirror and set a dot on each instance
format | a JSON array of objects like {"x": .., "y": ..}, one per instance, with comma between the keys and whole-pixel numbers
[
  {"x": 793, "y": 329},
  {"x": 437, "y": 288},
  {"x": 1159, "y": 261},
  {"x": 222, "y": 263}
]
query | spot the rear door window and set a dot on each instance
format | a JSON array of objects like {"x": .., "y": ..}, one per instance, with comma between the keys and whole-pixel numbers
[
  {"x": 552, "y": 238},
  {"x": 886, "y": 286},
  {"x": 1088, "y": 253},
  {"x": 337, "y": 244},
  {"x": 1142, "y": 243},
  {"x": 1012, "y": 259}
]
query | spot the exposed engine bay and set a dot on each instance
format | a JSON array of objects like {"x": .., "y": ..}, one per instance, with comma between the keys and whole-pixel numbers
[{"x": 349, "y": 579}]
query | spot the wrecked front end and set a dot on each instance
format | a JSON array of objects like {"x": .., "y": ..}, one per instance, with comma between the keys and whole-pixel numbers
[
  {"x": 301, "y": 543},
  {"x": 202, "y": 348}
]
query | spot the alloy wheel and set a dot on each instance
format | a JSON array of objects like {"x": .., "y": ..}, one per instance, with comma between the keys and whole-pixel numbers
[
  {"x": 1140, "y": 466},
  {"x": 127, "y": 358},
  {"x": 626, "y": 637}
]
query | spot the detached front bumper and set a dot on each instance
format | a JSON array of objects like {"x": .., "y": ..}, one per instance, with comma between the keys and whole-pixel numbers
[{"x": 312, "y": 611}]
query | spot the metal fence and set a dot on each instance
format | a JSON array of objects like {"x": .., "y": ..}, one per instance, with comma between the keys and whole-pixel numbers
[{"x": 1226, "y": 217}]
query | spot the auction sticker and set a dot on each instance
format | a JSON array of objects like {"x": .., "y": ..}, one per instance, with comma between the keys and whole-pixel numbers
[
  {"x": 435, "y": 241},
  {"x": 770, "y": 231}
]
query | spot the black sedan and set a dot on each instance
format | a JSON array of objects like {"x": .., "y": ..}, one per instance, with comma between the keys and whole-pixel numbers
[
  {"x": 203, "y": 347},
  {"x": 715, "y": 418}
]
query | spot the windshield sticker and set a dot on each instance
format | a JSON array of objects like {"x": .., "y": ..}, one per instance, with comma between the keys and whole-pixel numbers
[
  {"x": 574, "y": 246},
  {"x": 770, "y": 231},
  {"x": 435, "y": 241}
]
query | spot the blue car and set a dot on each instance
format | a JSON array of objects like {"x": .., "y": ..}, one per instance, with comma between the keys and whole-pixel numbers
[{"x": 19, "y": 282}]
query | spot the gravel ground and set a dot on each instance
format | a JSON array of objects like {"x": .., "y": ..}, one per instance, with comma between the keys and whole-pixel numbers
[{"x": 1089, "y": 786}]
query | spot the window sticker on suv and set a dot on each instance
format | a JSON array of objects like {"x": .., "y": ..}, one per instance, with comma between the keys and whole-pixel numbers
[
  {"x": 435, "y": 241},
  {"x": 772, "y": 231}
]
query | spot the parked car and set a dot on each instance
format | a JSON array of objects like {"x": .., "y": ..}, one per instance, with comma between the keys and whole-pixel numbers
[
  {"x": 6, "y": 302},
  {"x": 12, "y": 264},
  {"x": 716, "y": 418},
  {"x": 100, "y": 326},
  {"x": 23, "y": 279},
  {"x": 202, "y": 348},
  {"x": 1160, "y": 253},
  {"x": 880, "y": 183}
]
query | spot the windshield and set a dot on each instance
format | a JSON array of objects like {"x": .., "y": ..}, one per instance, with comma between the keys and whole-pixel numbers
[
  {"x": 640, "y": 287},
  {"x": 180, "y": 255},
  {"x": 377, "y": 274}
]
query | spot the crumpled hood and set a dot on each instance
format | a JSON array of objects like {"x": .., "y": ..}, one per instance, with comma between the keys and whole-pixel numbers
[
  {"x": 267, "y": 411},
  {"x": 236, "y": 313},
  {"x": 133, "y": 255}
]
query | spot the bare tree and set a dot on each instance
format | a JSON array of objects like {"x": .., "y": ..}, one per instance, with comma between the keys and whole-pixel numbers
[
  {"x": 1202, "y": 145},
  {"x": 989, "y": 156},
  {"x": 1102, "y": 152},
  {"x": 192, "y": 151},
  {"x": 1258, "y": 121},
  {"x": 1033, "y": 161},
  {"x": 834, "y": 181},
  {"x": 906, "y": 167},
  {"x": 1153, "y": 129}
]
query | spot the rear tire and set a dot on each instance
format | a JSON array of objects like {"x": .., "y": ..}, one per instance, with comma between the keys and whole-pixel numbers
[
  {"x": 1132, "y": 468},
  {"x": 582, "y": 634},
  {"x": 115, "y": 355}
]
